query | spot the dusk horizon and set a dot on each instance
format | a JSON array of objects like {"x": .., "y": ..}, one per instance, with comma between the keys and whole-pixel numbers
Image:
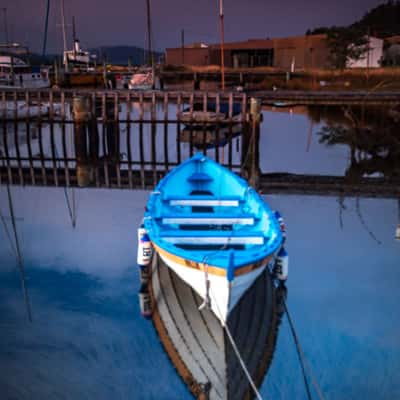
[{"x": 124, "y": 24}]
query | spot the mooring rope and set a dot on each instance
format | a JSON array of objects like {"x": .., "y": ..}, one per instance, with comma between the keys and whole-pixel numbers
[
  {"x": 303, "y": 359},
  {"x": 236, "y": 350}
]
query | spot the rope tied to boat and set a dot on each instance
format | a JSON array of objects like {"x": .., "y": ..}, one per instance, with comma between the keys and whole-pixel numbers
[
  {"x": 207, "y": 300},
  {"x": 236, "y": 350}
]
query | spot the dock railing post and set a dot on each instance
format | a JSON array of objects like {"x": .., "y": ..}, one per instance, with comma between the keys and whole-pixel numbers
[
  {"x": 81, "y": 113},
  {"x": 250, "y": 144}
]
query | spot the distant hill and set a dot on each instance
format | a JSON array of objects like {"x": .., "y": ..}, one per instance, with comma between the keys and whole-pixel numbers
[{"x": 121, "y": 54}]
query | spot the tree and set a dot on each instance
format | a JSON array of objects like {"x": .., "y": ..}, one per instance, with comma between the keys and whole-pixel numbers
[{"x": 345, "y": 45}]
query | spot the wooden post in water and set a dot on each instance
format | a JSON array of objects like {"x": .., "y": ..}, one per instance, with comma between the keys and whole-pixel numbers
[
  {"x": 250, "y": 144},
  {"x": 196, "y": 81},
  {"x": 81, "y": 112}
]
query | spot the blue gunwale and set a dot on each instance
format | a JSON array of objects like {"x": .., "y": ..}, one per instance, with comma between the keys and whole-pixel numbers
[{"x": 177, "y": 185}]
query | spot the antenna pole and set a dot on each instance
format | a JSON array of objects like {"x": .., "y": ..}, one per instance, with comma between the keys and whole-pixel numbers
[
  {"x": 221, "y": 17},
  {"x": 5, "y": 24},
  {"x": 183, "y": 45}
]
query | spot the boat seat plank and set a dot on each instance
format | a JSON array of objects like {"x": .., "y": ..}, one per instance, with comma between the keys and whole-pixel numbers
[
  {"x": 213, "y": 237},
  {"x": 210, "y": 201},
  {"x": 215, "y": 240},
  {"x": 200, "y": 177},
  {"x": 209, "y": 219}
]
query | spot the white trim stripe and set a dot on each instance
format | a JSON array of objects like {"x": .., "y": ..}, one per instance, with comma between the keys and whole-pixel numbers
[
  {"x": 204, "y": 202},
  {"x": 214, "y": 240},
  {"x": 208, "y": 221}
]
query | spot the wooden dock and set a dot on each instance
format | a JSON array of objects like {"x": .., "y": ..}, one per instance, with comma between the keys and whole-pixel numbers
[{"x": 85, "y": 146}]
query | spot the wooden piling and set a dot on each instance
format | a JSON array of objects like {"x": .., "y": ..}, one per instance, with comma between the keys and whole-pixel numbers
[
  {"x": 81, "y": 114},
  {"x": 250, "y": 164}
]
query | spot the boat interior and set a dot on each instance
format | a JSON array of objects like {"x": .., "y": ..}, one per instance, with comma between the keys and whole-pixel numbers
[{"x": 203, "y": 210}]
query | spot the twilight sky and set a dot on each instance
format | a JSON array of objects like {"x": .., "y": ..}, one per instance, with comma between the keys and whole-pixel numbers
[{"x": 123, "y": 22}]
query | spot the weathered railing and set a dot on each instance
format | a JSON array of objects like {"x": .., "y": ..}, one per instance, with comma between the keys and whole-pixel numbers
[
  {"x": 125, "y": 139},
  {"x": 101, "y": 134}
]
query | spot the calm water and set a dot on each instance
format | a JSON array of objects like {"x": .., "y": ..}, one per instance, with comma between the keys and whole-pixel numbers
[{"x": 87, "y": 339}]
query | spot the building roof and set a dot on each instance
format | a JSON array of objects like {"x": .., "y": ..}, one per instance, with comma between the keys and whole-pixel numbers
[{"x": 292, "y": 41}]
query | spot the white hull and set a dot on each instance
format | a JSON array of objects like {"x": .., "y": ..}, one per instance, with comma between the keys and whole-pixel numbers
[
  {"x": 222, "y": 294},
  {"x": 141, "y": 81}
]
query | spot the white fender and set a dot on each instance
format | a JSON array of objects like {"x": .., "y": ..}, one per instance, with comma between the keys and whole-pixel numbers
[
  {"x": 145, "y": 302},
  {"x": 281, "y": 222},
  {"x": 145, "y": 248},
  {"x": 281, "y": 268}
]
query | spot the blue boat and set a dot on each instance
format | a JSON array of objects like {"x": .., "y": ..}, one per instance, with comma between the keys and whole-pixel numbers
[{"x": 213, "y": 229}]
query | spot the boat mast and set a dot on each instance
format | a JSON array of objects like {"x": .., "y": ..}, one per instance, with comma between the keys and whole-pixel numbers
[
  {"x": 4, "y": 9},
  {"x": 221, "y": 18},
  {"x": 150, "y": 59},
  {"x": 74, "y": 35},
  {"x": 64, "y": 34},
  {"x": 46, "y": 25}
]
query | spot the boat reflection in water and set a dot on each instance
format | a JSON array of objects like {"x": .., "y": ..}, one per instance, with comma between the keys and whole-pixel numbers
[
  {"x": 207, "y": 128},
  {"x": 197, "y": 344},
  {"x": 209, "y": 138}
]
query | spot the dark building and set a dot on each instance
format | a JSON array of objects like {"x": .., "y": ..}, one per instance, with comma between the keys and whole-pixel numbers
[{"x": 286, "y": 53}]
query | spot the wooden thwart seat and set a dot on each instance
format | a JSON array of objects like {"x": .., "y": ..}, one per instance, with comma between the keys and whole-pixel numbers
[
  {"x": 204, "y": 200},
  {"x": 209, "y": 219},
  {"x": 213, "y": 237}
]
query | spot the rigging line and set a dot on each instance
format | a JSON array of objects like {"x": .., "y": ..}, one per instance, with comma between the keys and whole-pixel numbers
[
  {"x": 19, "y": 258},
  {"x": 302, "y": 358},
  {"x": 236, "y": 350},
  {"x": 364, "y": 223}
]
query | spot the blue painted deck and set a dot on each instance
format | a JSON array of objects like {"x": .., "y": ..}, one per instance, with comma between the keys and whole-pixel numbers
[{"x": 201, "y": 203}]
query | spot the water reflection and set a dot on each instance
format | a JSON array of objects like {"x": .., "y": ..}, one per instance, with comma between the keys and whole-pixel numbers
[
  {"x": 370, "y": 132},
  {"x": 83, "y": 284}
]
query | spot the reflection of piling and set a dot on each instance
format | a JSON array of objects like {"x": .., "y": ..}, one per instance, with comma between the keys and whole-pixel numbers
[
  {"x": 86, "y": 139},
  {"x": 19, "y": 258},
  {"x": 250, "y": 163}
]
